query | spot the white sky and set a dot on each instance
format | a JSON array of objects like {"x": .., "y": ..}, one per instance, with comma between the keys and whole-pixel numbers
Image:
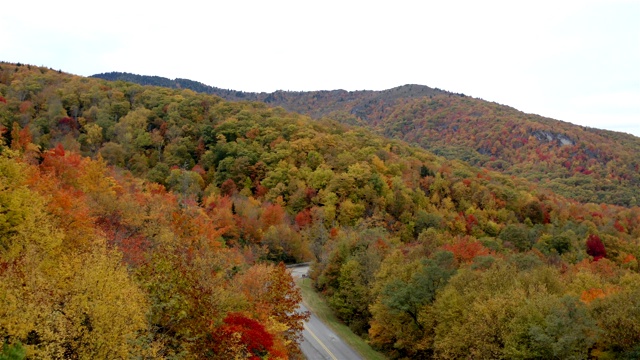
[{"x": 577, "y": 61}]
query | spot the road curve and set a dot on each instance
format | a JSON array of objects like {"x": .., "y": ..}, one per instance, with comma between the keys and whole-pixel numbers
[{"x": 319, "y": 341}]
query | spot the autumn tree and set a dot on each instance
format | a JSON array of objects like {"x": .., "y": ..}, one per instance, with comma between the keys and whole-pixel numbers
[
  {"x": 595, "y": 247},
  {"x": 54, "y": 300},
  {"x": 276, "y": 297},
  {"x": 240, "y": 337}
]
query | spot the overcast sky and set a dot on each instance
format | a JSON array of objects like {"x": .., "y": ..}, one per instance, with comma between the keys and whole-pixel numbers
[{"x": 577, "y": 61}]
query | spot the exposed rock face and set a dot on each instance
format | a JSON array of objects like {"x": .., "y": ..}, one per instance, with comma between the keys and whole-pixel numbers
[{"x": 548, "y": 136}]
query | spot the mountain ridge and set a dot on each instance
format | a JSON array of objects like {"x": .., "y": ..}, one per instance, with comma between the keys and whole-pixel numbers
[
  {"x": 587, "y": 164},
  {"x": 297, "y": 101}
]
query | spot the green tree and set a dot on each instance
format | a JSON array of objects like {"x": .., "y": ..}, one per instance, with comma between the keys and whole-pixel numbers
[{"x": 517, "y": 235}]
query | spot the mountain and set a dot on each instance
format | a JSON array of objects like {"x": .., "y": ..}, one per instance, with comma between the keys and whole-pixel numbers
[
  {"x": 313, "y": 103},
  {"x": 186, "y": 204},
  {"x": 586, "y": 164}
]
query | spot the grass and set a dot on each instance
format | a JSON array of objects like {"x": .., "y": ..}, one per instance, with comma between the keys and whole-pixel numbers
[{"x": 318, "y": 306}]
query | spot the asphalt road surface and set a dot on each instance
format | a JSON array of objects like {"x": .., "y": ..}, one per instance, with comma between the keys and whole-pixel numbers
[{"x": 320, "y": 342}]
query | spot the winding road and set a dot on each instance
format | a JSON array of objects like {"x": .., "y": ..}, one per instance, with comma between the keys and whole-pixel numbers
[{"x": 320, "y": 342}]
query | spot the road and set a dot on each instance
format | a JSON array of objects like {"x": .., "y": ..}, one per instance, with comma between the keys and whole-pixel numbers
[{"x": 320, "y": 342}]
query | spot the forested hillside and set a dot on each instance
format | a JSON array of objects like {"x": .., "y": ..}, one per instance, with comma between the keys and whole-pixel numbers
[
  {"x": 585, "y": 164},
  {"x": 190, "y": 200},
  {"x": 96, "y": 263},
  {"x": 365, "y": 104}
]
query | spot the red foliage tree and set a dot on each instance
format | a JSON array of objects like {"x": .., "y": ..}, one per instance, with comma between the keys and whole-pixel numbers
[
  {"x": 303, "y": 218},
  {"x": 272, "y": 215},
  {"x": 134, "y": 249},
  {"x": 20, "y": 138},
  {"x": 198, "y": 169},
  {"x": 239, "y": 333},
  {"x": 228, "y": 187},
  {"x": 471, "y": 221},
  {"x": 595, "y": 247},
  {"x": 67, "y": 123},
  {"x": 260, "y": 191},
  {"x": 466, "y": 249},
  {"x": 66, "y": 166},
  {"x": 310, "y": 193},
  {"x": 25, "y": 106}
]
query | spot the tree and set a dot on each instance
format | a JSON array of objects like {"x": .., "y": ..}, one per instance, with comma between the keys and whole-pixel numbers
[
  {"x": 273, "y": 214},
  {"x": 240, "y": 337},
  {"x": 471, "y": 313},
  {"x": 94, "y": 136},
  {"x": 187, "y": 183},
  {"x": 20, "y": 138},
  {"x": 13, "y": 352},
  {"x": 276, "y": 297},
  {"x": 351, "y": 299},
  {"x": 595, "y": 247},
  {"x": 286, "y": 244},
  {"x": 618, "y": 315},
  {"x": 551, "y": 327},
  {"x": 405, "y": 293},
  {"x": 410, "y": 296},
  {"x": 517, "y": 235},
  {"x": 465, "y": 249},
  {"x": 114, "y": 153},
  {"x": 61, "y": 298},
  {"x": 562, "y": 242},
  {"x": 285, "y": 297},
  {"x": 303, "y": 218}
]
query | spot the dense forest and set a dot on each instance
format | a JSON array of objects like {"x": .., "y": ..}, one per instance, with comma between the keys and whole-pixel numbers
[
  {"x": 152, "y": 223},
  {"x": 585, "y": 164},
  {"x": 313, "y": 103}
]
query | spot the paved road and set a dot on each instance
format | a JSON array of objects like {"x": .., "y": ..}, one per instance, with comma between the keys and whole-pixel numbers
[
  {"x": 299, "y": 271},
  {"x": 320, "y": 342}
]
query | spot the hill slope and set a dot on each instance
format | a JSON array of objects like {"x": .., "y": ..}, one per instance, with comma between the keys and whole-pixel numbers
[
  {"x": 586, "y": 164},
  {"x": 313, "y": 103},
  {"x": 426, "y": 256}
]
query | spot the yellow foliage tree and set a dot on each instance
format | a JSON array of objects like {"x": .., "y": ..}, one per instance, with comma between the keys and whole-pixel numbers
[{"x": 60, "y": 301}]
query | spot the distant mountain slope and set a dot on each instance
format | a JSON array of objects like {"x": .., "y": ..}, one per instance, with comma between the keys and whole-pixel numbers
[
  {"x": 176, "y": 84},
  {"x": 365, "y": 104},
  {"x": 586, "y": 164}
]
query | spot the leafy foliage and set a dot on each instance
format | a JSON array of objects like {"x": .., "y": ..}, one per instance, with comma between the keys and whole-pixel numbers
[
  {"x": 595, "y": 247},
  {"x": 182, "y": 202},
  {"x": 241, "y": 337},
  {"x": 586, "y": 164}
]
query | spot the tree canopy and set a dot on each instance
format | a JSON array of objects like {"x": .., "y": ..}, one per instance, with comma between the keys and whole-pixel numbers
[{"x": 152, "y": 221}]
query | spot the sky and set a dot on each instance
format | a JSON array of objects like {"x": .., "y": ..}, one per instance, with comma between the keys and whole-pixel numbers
[{"x": 576, "y": 61}]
